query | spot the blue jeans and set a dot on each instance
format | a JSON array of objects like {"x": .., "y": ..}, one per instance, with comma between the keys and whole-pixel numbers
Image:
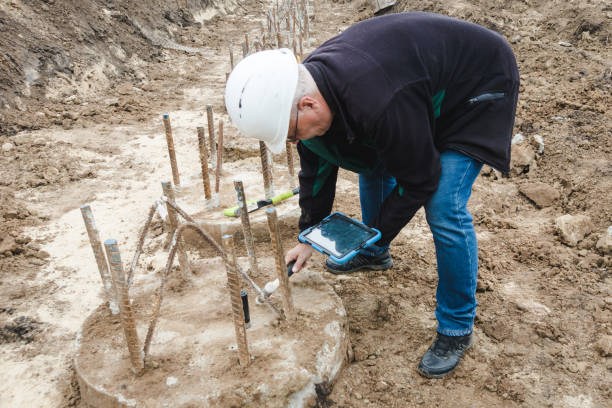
[{"x": 453, "y": 232}]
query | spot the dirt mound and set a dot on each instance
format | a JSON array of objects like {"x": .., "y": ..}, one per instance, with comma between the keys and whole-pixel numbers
[{"x": 56, "y": 50}]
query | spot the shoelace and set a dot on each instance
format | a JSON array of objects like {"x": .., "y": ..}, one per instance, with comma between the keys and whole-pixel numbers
[{"x": 444, "y": 344}]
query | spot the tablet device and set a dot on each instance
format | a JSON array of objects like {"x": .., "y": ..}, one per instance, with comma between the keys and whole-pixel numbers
[{"x": 339, "y": 236}]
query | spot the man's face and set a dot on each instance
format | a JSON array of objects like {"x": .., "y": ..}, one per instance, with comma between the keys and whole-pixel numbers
[{"x": 311, "y": 119}]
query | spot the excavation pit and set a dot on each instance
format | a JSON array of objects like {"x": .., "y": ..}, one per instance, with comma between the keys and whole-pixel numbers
[{"x": 193, "y": 359}]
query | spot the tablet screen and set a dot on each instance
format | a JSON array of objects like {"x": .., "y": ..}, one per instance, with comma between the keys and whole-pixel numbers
[{"x": 339, "y": 235}]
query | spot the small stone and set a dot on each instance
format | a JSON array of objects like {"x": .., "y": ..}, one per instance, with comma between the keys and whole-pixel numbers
[
  {"x": 42, "y": 254},
  {"x": 360, "y": 354},
  {"x": 515, "y": 39},
  {"x": 7, "y": 147},
  {"x": 573, "y": 228},
  {"x": 539, "y": 140},
  {"x": 541, "y": 194},
  {"x": 51, "y": 174},
  {"x": 604, "y": 346},
  {"x": 8, "y": 245},
  {"x": 564, "y": 44},
  {"x": 522, "y": 156},
  {"x": 604, "y": 244},
  {"x": 381, "y": 386},
  {"x": 518, "y": 138}
]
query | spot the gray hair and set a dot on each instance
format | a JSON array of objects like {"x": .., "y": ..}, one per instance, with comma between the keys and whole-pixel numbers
[{"x": 306, "y": 86}]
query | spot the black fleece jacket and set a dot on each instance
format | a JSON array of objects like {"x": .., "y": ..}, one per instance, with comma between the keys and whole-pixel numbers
[{"x": 402, "y": 89}]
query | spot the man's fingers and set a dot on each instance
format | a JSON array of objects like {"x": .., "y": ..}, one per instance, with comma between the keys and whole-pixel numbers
[
  {"x": 291, "y": 255},
  {"x": 299, "y": 263}
]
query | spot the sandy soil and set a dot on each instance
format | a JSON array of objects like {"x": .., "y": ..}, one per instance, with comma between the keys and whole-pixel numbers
[{"x": 84, "y": 85}]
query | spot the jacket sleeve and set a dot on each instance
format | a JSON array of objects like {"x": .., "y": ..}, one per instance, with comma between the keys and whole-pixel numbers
[
  {"x": 317, "y": 187},
  {"x": 405, "y": 144}
]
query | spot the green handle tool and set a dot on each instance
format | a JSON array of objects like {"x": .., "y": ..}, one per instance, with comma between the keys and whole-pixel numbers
[{"x": 257, "y": 204}]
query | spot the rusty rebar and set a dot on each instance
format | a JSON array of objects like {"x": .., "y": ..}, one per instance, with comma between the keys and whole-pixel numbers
[
  {"x": 234, "y": 291},
  {"x": 306, "y": 24},
  {"x": 231, "y": 54},
  {"x": 192, "y": 224},
  {"x": 141, "y": 238},
  {"x": 204, "y": 164},
  {"x": 246, "y": 43},
  {"x": 266, "y": 171},
  {"x": 125, "y": 306},
  {"x": 219, "y": 159},
  {"x": 172, "y": 254},
  {"x": 211, "y": 134},
  {"x": 289, "y": 148},
  {"x": 279, "y": 260},
  {"x": 171, "y": 151},
  {"x": 301, "y": 47},
  {"x": 246, "y": 225},
  {"x": 183, "y": 259},
  {"x": 96, "y": 246}
]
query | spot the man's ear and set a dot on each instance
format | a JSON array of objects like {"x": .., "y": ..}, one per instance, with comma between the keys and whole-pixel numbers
[{"x": 307, "y": 102}]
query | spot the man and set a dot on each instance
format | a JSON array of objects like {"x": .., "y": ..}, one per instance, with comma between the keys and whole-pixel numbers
[{"x": 415, "y": 103}]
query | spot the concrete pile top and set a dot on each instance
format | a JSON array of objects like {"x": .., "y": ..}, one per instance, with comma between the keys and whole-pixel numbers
[{"x": 193, "y": 358}]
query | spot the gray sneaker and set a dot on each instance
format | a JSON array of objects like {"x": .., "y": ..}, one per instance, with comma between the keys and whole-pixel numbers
[
  {"x": 444, "y": 355},
  {"x": 360, "y": 262}
]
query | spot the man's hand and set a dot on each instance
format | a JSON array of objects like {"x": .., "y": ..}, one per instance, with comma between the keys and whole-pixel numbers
[{"x": 300, "y": 254}]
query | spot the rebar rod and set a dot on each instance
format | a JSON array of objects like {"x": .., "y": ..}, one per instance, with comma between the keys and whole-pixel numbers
[
  {"x": 289, "y": 148},
  {"x": 211, "y": 134},
  {"x": 246, "y": 225},
  {"x": 125, "y": 306},
  {"x": 231, "y": 54},
  {"x": 279, "y": 40},
  {"x": 141, "y": 238},
  {"x": 171, "y": 151},
  {"x": 96, "y": 246},
  {"x": 266, "y": 171},
  {"x": 246, "y": 43},
  {"x": 183, "y": 259},
  {"x": 279, "y": 260},
  {"x": 234, "y": 291},
  {"x": 214, "y": 243},
  {"x": 204, "y": 164},
  {"x": 219, "y": 159},
  {"x": 306, "y": 23},
  {"x": 301, "y": 47},
  {"x": 172, "y": 254}
]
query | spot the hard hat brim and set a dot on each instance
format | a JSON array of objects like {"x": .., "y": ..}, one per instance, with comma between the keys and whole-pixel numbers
[{"x": 259, "y": 95}]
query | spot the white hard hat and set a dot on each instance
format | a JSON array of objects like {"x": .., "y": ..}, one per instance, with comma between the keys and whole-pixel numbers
[{"x": 259, "y": 93}]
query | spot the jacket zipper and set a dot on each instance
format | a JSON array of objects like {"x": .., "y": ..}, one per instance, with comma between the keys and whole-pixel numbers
[{"x": 489, "y": 96}]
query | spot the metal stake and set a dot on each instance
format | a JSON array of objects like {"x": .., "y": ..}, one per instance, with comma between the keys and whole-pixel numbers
[
  {"x": 219, "y": 160},
  {"x": 125, "y": 307},
  {"x": 246, "y": 225},
  {"x": 246, "y": 42},
  {"x": 171, "y": 152},
  {"x": 182, "y": 255},
  {"x": 279, "y": 259},
  {"x": 266, "y": 171},
  {"x": 96, "y": 245},
  {"x": 231, "y": 52},
  {"x": 290, "y": 165},
  {"x": 211, "y": 134},
  {"x": 234, "y": 289},
  {"x": 204, "y": 164}
]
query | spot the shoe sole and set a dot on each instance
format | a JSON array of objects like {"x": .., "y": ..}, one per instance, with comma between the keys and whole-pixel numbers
[
  {"x": 438, "y": 376},
  {"x": 361, "y": 268}
]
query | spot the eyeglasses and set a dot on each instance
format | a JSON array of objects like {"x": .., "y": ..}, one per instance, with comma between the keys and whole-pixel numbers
[{"x": 293, "y": 138}]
